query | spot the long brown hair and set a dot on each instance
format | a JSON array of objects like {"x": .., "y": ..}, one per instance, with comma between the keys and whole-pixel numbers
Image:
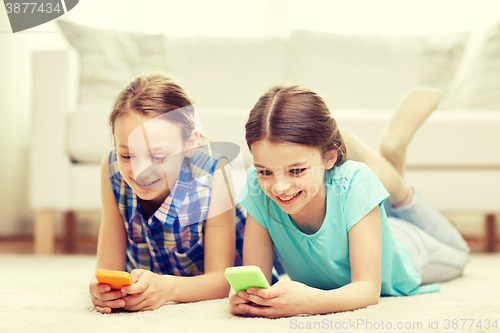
[
  {"x": 298, "y": 115},
  {"x": 153, "y": 95}
]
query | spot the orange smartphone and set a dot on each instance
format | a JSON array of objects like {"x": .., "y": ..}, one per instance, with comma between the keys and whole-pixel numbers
[{"x": 116, "y": 279}]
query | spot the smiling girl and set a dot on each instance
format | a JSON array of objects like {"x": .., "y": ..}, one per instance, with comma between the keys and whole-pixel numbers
[
  {"x": 167, "y": 214},
  {"x": 340, "y": 241}
]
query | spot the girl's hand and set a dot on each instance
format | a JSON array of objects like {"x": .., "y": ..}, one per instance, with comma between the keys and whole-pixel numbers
[
  {"x": 234, "y": 300},
  {"x": 283, "y": 299},
  {"x": 149, "y": 291},
  {"x": 103, "y": 298}
]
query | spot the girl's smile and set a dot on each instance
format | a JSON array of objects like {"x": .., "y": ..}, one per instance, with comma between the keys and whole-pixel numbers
[
  {"x": 289, "y": 199},
  {"x": 147, "y": 186}
]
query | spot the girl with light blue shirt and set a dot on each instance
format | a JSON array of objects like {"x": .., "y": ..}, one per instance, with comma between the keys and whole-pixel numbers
[{"x": 339, "y": 240}]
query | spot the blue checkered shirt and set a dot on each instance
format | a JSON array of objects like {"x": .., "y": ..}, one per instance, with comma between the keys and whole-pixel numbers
[{"x": 171, "y": 240}]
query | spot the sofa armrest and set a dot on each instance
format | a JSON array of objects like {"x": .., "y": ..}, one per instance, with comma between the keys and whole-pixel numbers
[{"x": 55, "y": 86}]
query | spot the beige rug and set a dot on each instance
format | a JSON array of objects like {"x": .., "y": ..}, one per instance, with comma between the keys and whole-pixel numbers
[{"x": 50, "y": 294}]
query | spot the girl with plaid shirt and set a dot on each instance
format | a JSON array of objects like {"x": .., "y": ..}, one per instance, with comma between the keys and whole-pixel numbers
[{"x": 168, "y": 215}]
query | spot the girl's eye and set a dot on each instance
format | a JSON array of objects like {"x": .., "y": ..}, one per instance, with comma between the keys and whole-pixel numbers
[
  {"x": 264, "y": 172},
  {"x": 297, "y": 171},
  {"x": 159, "y": 158},
  {"x": 155, "y": 158}
]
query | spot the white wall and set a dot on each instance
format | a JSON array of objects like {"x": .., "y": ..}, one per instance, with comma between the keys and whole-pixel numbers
[
  {"x": 395, "y": 17},
  {"x": 257, "y": 17},
  {"x": 15, "y": 108},
  {"x": 13, "y": 130}
]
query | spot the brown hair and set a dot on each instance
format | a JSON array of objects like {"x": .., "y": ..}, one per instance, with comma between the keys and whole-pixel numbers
[
  {"x": 298, "y": 115},
  {"x": 153, "y": 95}
]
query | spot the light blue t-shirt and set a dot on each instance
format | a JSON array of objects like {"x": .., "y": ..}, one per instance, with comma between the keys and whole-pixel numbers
[{"x": 321, "y": 260}]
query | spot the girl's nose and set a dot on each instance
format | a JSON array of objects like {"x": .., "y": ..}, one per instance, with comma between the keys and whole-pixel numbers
[
  {"x": 142, "y": 167},
  {"x": 281, "y": 187}
]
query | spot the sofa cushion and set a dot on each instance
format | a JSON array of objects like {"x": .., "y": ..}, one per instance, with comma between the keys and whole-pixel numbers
[
  {"x": 88, "y": 134},
  {"x": 111, "y": 59},
  {"x": 450, "y": 138},
  {"x": 476, "y": 84},
  {"x": 440, "y": 57},
  {"x": 84, "y": 191},
  {"x": 354, "y": 71},
  {"x": 453, "y": 150},
  {"x": 226, "y": 124},
  {"x": 226, "y": 72}
]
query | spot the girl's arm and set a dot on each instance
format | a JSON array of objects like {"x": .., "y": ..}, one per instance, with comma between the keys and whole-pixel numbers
[
  {"x": 153, "y": 290},
  {"x": 111, "y": 245},
  {"x": 219, "y": 246},
  {"x": 365, "y": 255},
  {"x": 112, "y": 241},
  {"x": 290, "y": 298},
  {"x": 258, "y": 247},
  {"x": 257, "y": 250}
]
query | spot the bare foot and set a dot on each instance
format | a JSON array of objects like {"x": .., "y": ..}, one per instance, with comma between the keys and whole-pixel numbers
[{"x": 410, "y": 113}]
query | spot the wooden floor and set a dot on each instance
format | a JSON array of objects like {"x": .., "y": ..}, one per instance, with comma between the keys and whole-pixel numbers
[{"x": 24, "y": 245}]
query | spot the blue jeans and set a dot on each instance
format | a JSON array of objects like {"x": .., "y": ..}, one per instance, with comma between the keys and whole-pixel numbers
[{"x": 438, "y": 250}]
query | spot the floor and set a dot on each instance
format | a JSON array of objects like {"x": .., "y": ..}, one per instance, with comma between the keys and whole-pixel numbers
[
  {"x": 24, "y": 245},
  {"x": 88, "y": 245},
  {"x": 50, "y": 294}
]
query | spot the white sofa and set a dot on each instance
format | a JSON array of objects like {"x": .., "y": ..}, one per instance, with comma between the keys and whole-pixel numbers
[{"x": 454, "y": 159}]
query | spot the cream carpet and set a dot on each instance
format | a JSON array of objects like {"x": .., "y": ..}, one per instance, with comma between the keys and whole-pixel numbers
[{"x": 50, "y": 294}]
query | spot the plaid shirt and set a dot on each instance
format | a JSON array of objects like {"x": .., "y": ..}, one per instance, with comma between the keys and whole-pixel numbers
[{"x": 171, "y": 240}]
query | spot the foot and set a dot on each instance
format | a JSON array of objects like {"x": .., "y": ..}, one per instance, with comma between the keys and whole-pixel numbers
[{"x": 410, "y": 113}]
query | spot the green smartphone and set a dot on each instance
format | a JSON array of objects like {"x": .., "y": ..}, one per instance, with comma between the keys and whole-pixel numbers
[{"x": 244, "y": 277}]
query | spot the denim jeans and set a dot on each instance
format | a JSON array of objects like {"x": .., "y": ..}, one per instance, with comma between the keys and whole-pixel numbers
[{"x": 438, "y": 250}]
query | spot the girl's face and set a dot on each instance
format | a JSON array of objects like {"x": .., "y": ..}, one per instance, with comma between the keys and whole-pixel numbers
[
  {"x": 150, "y": 152},
  {"x": 292, "y": 175}
]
